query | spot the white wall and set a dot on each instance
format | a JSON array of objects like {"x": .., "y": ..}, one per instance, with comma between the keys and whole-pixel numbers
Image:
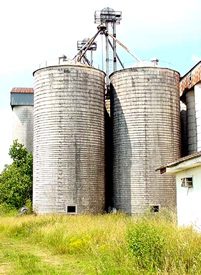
[{"x": 189, "y": 199}]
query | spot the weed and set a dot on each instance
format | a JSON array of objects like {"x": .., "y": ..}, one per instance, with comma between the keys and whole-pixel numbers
[{"x": 102, "y": 244}]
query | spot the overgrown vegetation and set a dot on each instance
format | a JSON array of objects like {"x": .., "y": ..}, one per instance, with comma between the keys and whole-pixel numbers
[
  {"x": 103, "y": 244},
  {"x": 16, "y": 179},
  {"x": 161, "y": 246}
]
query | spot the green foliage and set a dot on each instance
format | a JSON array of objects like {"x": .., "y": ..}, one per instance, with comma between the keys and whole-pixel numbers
[
  {"x": 28, "y": 204},
  {"x": 22, "y": 158},
  {"x": 147, "y": 243},
  {"x": 7, "y": 210},
  {"x": 16, "y": 179},
  {"x": 159, "y": 245}
]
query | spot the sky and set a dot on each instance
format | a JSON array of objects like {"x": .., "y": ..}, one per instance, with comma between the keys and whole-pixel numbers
[{"x": 37, "y": 32}]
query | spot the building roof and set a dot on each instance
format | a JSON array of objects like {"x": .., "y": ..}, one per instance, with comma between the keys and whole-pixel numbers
[
  {"x": 21, "y": 97},
  {"x": 20, "y": 90},
  {"x": 190, "y": 79},
  {"x": 181, "y": 164}
]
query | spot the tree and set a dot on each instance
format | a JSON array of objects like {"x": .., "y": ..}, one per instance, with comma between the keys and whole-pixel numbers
[{"x": 16, "y": 179}]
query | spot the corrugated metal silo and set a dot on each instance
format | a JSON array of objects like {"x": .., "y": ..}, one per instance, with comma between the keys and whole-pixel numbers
[
  {"x": 193, "y": 103},
  {"x": 197, "y": 90},
  {"x": 184, "y": 136},
  {"x": 191, "y": 122},
  {"x": 190, "y": 90},
  {"x": 69, "y": 140},
  {"x": 146, "y": 134},
  {"x": 22, "y": 116}
]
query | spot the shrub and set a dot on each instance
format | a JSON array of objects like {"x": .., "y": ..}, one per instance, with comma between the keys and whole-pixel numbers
[
  {"x": 147, "y": 243},
  {"x": 7, "y": 210},
  {"x": 161, "y": 246},
  {"x": 16, "y": 179}
]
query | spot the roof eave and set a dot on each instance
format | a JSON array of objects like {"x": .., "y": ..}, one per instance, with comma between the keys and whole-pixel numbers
[
  {"x": 199, "y": 62},
  {"x": 188, "y": 164}
]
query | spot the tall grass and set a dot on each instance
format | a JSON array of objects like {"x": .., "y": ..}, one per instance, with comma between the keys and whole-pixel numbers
[
  {"x": 6, "y": 210},
  {"x": 161, "y": 246},
  {"x": 110, "y": 244}
]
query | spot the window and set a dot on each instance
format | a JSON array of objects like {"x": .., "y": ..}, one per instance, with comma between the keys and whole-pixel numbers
[
  {"x": 187, "y": 182},
  {"x": 71, "y": 209}
]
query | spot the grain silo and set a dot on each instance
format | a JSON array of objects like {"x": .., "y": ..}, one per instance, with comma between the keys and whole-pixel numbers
[
  {"x": 191, "y": 122},
  {"x": 21, "y": 100},
  {"x": 146, "y": 134},
  {"x": 190, "y": 90},
  {"x": 68, "y": 140},
  {"x": 184, "y": 136}
]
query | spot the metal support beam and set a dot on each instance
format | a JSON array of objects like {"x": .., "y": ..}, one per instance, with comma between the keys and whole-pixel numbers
[
  {"x": 114, "y": 48},
  {"x": 84, "y": 49},
  {"x": 122, "y": 65},
  {"x": 107, "y": 55}
]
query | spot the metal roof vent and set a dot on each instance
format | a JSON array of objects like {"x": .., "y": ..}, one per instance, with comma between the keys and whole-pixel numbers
[
  {"x": 62, "y": 59},
  {"x": 155, "y": 61}
]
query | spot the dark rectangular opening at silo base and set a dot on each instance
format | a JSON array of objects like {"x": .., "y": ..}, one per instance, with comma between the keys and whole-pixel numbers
[
  {"x": 71, "y": 209},
  {"x": 154, "y": 208}
]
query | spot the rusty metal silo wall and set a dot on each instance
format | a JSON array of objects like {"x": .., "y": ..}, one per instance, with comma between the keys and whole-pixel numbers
[
  {"x": 146, "y": 135},
  {"x": 68, "y": 140}
]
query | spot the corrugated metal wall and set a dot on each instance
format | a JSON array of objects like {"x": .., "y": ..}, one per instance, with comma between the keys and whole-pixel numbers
[
  {"x": 184, "y": 135},
  {"x": 191, "y": 122},
  {"x": 146, "y": 135},
  {"x": 23, "y": 125},
  {"x": 17, "y": 99},
  {"x": 69, "y": 144},
  {"x": 197, "y": 90}
]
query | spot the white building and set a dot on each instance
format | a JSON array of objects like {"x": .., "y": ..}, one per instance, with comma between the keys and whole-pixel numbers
[{"x": 188, "y": 187}]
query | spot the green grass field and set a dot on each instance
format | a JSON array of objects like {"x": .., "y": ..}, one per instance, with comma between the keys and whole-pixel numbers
[{"x": 103, "y": 244}]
